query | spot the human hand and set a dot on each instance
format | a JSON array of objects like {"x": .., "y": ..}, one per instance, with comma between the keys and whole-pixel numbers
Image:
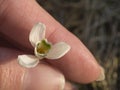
[{"x": 16, "y": 20}]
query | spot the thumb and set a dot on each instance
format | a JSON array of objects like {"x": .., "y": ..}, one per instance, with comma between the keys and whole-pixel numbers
[{"x": 15, "y": 77}]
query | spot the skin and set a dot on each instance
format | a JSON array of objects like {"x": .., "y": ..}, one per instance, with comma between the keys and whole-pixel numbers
[{"x": 17, "y": 17}]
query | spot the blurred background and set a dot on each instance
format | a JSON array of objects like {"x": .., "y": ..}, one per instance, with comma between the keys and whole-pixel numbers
[{"x": 97, "y": 24}]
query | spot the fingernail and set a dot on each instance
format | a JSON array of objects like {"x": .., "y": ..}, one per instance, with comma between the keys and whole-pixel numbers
[
  {"x": 43, "y": 77},
  {"x": 70, "y": 86},
  {"x": 102, "y": 75}
]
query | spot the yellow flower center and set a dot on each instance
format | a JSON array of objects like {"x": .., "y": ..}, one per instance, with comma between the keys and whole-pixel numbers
[{"x": 43, "y": 47}]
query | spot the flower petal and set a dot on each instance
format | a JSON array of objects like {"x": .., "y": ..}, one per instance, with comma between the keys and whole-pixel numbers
[
  {"x": 37, "y": 33},
  {"x": 28, "y": 61},
  {"x": 58, "y": 50}
]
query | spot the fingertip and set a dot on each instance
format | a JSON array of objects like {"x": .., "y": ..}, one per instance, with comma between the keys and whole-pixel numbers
[
  {"x": 43, "y": 77},
  {"x": 78, "y": 64}
]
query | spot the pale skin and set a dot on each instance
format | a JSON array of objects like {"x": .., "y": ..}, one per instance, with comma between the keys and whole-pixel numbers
[{"x": 17, "y": 17}]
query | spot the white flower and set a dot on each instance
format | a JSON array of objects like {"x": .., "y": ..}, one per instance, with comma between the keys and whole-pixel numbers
[{"x": 42, "y": 48}]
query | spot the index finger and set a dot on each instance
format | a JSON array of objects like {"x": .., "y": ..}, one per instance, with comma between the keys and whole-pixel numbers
[{"x": 78, "y": 65}]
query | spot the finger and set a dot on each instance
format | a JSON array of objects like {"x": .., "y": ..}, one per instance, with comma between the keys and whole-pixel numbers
[
  {"x": 77, "y": 65},
  {"x": 14, "y": 77}
]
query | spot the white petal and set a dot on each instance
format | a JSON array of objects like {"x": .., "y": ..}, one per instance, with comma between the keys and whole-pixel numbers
[
  {"x": 58, "y": 50},
  {"x": 37, "y": 33},
  {"x": 28, "y": 61}
]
